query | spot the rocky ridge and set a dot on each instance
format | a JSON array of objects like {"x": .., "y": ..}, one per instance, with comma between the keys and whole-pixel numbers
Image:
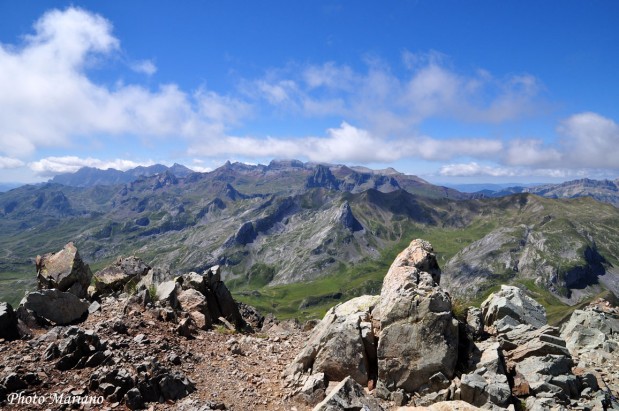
[{"x": 405, "y": 347}]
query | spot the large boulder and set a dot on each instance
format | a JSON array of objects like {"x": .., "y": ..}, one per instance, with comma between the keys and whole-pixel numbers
[
  {"x": 418, "y": 333},
  {"x": 54, "y": 305},
  {"x": 341, "y": 345},
  {"x": 8, "y": 322},
  {"x": 116, "y": 276},
  {"x": 511, "y": 306},
  {"x": 64, "y": 270}
]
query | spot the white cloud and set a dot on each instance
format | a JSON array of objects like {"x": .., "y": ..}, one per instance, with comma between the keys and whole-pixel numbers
[
  {"x": 51, "y": 166},
  {"x": 7, "y": 162},
  {"x": 387, "y": 103},
  {"x": 591, "y": 140},
  {"x": 474, "y": 169},
  {"x": 47, "y": 99},
  {"x": 586, "y": 140},
  {"x": 433, "y": 149},
  {"x": 532, "y": 153},
  {"x": 348, "y": 143},
  {"x": 145, "y": 66}
]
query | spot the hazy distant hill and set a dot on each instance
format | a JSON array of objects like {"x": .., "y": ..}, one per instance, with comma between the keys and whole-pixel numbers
[{"x": 89, "y": 177}]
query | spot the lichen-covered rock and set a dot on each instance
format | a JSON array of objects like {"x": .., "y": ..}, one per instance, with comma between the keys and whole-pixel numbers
[
  {"x": 339, "y": 344},
  {"x": 64, "y": 270},
  {"x": 418, "y": 333}
]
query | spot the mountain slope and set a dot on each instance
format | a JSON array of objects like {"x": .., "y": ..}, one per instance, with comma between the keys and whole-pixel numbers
[
  {"x": 277, "y": 226},
  {"x": 568, "y": 247}
]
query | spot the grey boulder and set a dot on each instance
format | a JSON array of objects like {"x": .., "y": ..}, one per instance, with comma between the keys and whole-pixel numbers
[
  {"x": 514, "y": 303},
  {"x": 54, "y": 305},
  {"x": 341, "y": 345}
]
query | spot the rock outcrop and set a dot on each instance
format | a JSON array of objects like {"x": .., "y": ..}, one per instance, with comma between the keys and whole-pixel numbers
[
  {"x": 592, "y": 337},
  {"x": 64, "y": 271},
  {"x": 403, "y": 341},
  {"x": 500, "y": 356},
  {"x": 592, "y": 329},
  {"x": 418, "y": 335}
]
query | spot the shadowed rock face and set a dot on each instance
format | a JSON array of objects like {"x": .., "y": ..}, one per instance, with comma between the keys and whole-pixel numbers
[
  {"x": 114, "y": 277},
  {"x": 8, "y": 322},
  {"x": 347, "y": 218}
]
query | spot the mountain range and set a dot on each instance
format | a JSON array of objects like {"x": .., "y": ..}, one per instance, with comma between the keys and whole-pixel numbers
[
  {"x": 606, "y": 191},
  {"x": 294, "y": 236},
  {"x": 90, "y": 176}
]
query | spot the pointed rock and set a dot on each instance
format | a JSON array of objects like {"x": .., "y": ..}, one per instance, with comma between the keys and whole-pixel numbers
[{"x": 64, "y": 270}]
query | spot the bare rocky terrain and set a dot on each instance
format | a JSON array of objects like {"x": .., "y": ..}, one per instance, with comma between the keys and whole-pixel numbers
[{"x": 134, "y": 342}]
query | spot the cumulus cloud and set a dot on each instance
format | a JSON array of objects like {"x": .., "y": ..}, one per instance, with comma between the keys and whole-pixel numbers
[
  {"x": 585, "y": 140},
  {"x": 51, "y": 166},
  {"x": 348, "y": 143},
  {"x": 531, "y": 152},
  {"x": 47, "y": 98},
  {"x": 7, "y": 162},
  {"x": 591, "y": 140},
  {"x": 473, "y": 170}
]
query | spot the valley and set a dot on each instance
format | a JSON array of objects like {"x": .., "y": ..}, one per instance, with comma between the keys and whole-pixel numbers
[{"x": 294, "y": 238}]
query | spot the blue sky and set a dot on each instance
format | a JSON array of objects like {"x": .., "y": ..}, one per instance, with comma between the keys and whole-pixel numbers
[{"x": 452, "y": 91}]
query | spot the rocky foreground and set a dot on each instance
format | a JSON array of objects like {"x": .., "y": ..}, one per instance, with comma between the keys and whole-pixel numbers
[{"x": 130, "y": 337}]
